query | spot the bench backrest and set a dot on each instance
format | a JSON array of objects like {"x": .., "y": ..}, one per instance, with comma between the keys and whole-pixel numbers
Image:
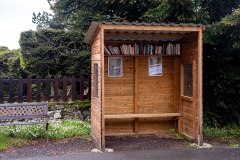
[{"x": 23, "y": 111}]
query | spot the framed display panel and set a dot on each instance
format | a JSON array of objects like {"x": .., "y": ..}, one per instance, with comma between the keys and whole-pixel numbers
[
  {"x": 95, "y": 80},
  {"x": 187, "y": 80},
  {"x": 155, "y": 66},
  {"x": 115, "y": 68}
]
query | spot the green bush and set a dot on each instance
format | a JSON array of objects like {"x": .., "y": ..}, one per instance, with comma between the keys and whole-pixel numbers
[
  {"x": 57, "y": 130},
  {"x": 230, "y": 132}
]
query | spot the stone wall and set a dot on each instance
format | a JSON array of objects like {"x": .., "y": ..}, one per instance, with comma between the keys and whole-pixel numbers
[{"x": 70, "y": 110}]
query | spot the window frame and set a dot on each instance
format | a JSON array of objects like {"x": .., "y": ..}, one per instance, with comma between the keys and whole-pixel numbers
[
  {"x": 95, "y": 80},
  {"x": 183, "y": 81}
]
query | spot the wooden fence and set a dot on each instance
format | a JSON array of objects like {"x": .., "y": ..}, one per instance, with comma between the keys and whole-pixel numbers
[{"x": 48, "y": 89}]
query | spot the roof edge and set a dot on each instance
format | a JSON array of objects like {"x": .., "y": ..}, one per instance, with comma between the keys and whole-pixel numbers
[{"x": 94, "y": 26}]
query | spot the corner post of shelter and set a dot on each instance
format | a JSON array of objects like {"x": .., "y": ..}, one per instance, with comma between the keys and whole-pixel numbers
[
  {"x": 102, "y": 87},
  {"x": 200, "y": 105},
  {"x": 96, "y": 88}
]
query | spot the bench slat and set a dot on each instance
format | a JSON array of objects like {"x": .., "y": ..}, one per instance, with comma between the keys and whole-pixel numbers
[
  {"x": 159, "y": 115},
  {"x": 23, "y": 117},
  {"x": 23, "y": 111},
  {"x": 23, "y": 104},
  {"x": 22, "y": 123}
]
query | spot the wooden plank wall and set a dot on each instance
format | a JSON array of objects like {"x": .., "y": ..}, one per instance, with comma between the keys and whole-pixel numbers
[
  {"x": 155, "y": 95},
  {"x": 96, "y": 104},
  {"x": 119, "y": 97},
  {"x": 189, "y": 105}
]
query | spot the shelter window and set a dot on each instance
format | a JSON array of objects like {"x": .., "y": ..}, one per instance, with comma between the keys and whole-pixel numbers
[
  {"x": 95, "y": 80},
  {"x": 187, "y": 80}
]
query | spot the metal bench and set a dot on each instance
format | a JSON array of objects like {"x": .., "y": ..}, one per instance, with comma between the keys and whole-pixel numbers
[{"x": 24, "y": 114}]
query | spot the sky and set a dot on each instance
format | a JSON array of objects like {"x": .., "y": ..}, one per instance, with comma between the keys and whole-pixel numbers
[{"x": 15, "y": 17}]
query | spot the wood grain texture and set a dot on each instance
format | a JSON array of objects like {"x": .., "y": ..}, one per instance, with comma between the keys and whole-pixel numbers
[
  {"x": 199, "y": 87},
  {"x": 156, "y": 92},
  {"x": 119, "y": 91},
  {"x": 126, "y": 116},
  {"x": 96, "y": 103},
  {"x": 189, "y": 55}
]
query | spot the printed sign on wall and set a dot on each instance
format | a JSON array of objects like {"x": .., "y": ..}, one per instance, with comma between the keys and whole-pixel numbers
[{"x": 155, "y": 66}]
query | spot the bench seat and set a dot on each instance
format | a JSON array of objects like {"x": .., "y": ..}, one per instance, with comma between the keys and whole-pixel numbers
[{"x": 151, "y": 115}]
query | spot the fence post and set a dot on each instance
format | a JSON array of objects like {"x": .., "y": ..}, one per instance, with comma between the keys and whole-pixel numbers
[
  {"x": 47, "y": 88},
  {"x": 1, "y": 91},
  {"x": 11, "y": 90},
  {"x": 65, "y": 96},
  {"x": 73, "y": 88},
  {"x": 81, "y": 88},
  {"x": 56, "y": 90},
  {"x": 38, "y": 85},
  {"x": 20, "y": 90},
  {"x": 29, "y": 89}
]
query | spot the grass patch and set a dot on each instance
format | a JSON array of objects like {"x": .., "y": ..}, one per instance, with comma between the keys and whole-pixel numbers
[
  {"x": 178, "y": 136},
  {"x": 6, "y": 141},
  {"x": 15, "y": 135},
  {"x": 225, "y": 133}
]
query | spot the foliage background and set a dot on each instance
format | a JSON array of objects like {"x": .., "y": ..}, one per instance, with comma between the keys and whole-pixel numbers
[{"x": 57, "y": 48}]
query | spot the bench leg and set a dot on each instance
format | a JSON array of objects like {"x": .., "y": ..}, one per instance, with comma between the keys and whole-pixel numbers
[{"x": 47, "y": 124}]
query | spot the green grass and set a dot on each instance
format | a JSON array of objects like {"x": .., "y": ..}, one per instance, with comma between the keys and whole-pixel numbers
[
  {"x": 15, "y": 135},
  {"x": 223, "y": 133},
  {"x": 6, "y": 141}
]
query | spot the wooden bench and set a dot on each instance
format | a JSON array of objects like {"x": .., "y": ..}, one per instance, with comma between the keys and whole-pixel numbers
[
  {"x": 127, "y": 116},
  {"x": 34, "y": 113}
]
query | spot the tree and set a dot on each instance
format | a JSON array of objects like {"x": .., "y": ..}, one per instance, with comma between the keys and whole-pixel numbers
[
  {"x": 218, "y": 9},
  {"x": 10, "y": 62},
  {"x": 221, "y": 79},
  {"x": 54, "y": 52},
  {"x": 178, "y": 11}
]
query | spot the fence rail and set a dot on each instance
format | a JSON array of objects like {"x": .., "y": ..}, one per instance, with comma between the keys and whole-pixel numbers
[{"x": 48, "y": 89}]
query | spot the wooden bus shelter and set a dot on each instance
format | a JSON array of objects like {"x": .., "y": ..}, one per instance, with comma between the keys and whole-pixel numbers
[{"x": 146, "y": 79}]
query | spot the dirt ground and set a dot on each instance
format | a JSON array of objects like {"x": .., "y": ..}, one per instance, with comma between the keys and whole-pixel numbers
[{"x": 40, "y": 148}]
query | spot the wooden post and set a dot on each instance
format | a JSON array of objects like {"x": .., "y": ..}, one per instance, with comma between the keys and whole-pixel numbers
[
  {"x": 65, "y": 96},
  {"x": 38, "y": 84},
  {"x": 194, "y": 73},
  {"x": 29, "y": 89},
  {"x": 56, "y": 90},
  {"x": 180, "y": 121},
  {"x": 136, "y": 128},
  {"x": 1, "y": 90},
  {"x": 47, "y": 88},
  {"x": 20, "y": 90},
  {"x": 11, "y": 90},
  {"x": 102, "y": 87},
  {"x": 200, "y": 123},
  {"x": 176, "y": 93},
  {"x": 81, "y": 88},
  {"x": 73, "y": 88}
]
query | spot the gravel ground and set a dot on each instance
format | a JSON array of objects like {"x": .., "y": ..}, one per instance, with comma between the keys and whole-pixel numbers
[
  {"x": 146, "y": 142},
  {"x": 41, "y": 148},
  {"x": 71, "y": 146}
]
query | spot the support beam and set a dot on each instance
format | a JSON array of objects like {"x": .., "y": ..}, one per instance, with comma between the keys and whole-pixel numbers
[
  {"x": 136, "y": 93},
  {"x": 200, "y": 108}
]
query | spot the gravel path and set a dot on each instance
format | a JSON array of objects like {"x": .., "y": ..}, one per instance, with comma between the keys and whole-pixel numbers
[
  {"x": 147, "y": 142},
  {"x": 41, "y": 148},
  {"x": 72, "y": 146}
]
